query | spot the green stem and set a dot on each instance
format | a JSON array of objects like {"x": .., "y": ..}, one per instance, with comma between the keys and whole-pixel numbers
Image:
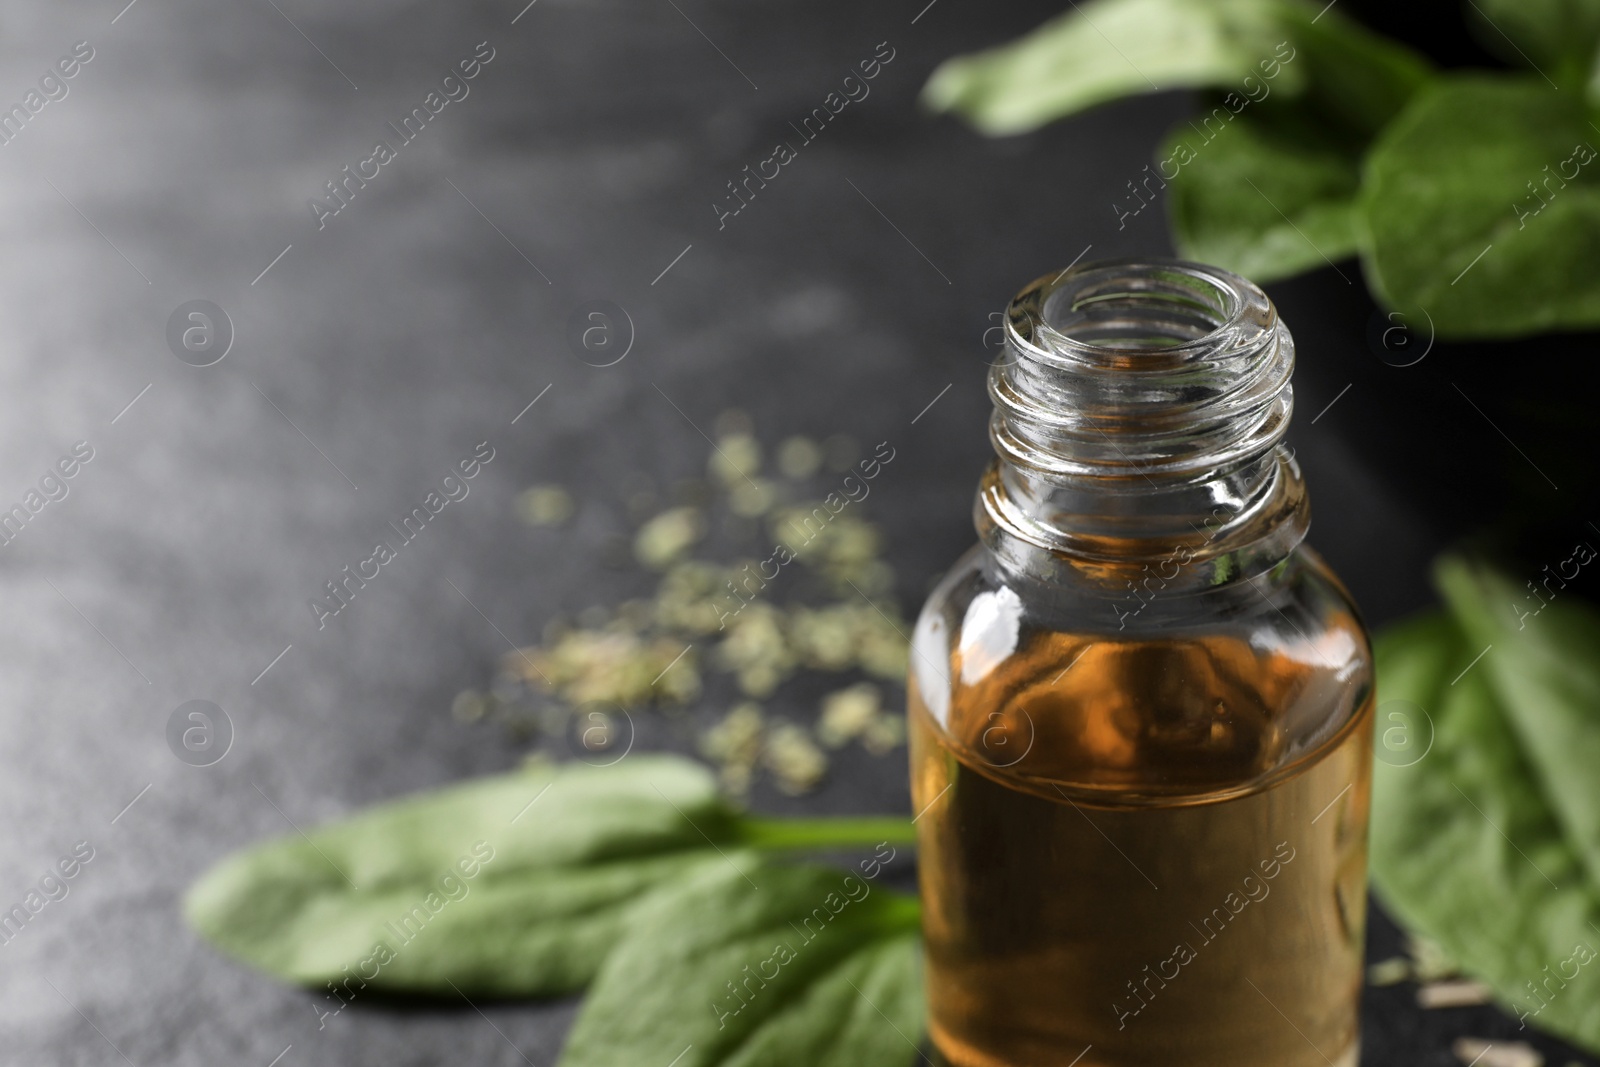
[
  {"x": 846, "y": 832},
  {"x": 903, "y": 913}
]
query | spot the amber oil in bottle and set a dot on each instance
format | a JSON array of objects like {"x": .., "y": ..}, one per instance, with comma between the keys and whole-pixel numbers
[{"x": 1140, "y": 708}]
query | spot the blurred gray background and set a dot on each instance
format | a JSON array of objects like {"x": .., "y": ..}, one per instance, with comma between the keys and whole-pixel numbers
[{"x": 378, "y": 350}]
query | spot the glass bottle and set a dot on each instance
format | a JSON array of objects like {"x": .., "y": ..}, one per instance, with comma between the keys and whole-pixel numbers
[{"x": 1141, "y": 708}]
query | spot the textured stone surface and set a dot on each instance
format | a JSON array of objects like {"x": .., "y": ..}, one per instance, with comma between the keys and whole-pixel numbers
[{"x": 419, "y": 321}]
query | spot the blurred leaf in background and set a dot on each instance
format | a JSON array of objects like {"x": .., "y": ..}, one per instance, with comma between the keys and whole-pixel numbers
[
  {"x": 1107, "y": 50},
  {"x": 1473, "y": 199},
  {"x": 1301, "y": 215},
  {"x": 1482, "y": 205},
  {"x": 1487, "y": 840},
  {"x": 1557, "y": 37}
]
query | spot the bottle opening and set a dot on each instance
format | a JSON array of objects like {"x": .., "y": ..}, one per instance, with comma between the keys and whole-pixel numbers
[
  {"x": 1134, "y": 308},
  {"x": 1140, "y": 399},
  {"x": 1160, "y": 366},
  {"x": 1096, "y": 314}
]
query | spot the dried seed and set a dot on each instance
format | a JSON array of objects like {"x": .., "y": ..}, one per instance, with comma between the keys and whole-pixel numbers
[
  {"x": 545, "y": 505},
  {"x": 665, "y": 538},
  {"x": 757, "y": 650},
  {"x": 794, "y": 760},
  {"x": 693, "y": 598},
  {"x": 799, "y": 457},
  {"x": 736, "y": 457},
  {"x": 825, "y": 638},
  {"x": 613, "y": 665},
  {"x": 1392, "y": 971},
  {"x": 1474, "y": 1050},
  {"x": 752, "y": 499},
  {"x": 848, "y": 713},
  {"x": 735, "y": 745},
  {"x": 884, "y": 734},
  {"x": 1453, "y": 993},
  {"x": 737, "y": 736}
]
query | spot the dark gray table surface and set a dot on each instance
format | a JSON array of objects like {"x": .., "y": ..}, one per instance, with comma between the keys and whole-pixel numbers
[{"x": 419, "y": 321}]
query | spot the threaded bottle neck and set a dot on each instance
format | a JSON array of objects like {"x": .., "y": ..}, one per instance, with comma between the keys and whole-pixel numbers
[{"x": 1138, "y": 413}]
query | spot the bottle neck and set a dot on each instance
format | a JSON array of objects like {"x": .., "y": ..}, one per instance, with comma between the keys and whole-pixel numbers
[{"x": 1138, "y": 417}]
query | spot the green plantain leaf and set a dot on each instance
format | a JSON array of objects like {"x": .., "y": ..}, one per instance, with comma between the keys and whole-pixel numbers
[
  {"x": 1466, "y": 847},
  {"x": 1544, "y": 663},
  {"x": 1105, "y": 49},
  {"x": 758, "y": 964},
  {"x": 1101, "y": 50},
  {"x": 1263, "y": 199},
  {"x": 1554, "y": 37},
  {"x": 515, "y": 884},
  {"x": 1267, "y": 185},
  {"x": 1356, "y": 80},
  {"x": 1452, "y": 224}
]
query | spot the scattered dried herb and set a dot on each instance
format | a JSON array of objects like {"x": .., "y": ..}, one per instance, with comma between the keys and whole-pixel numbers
[{"x": 723, "y": 616}]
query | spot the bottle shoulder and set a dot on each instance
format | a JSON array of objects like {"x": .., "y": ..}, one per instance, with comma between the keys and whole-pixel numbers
[{"x": 1140, "y": 693}]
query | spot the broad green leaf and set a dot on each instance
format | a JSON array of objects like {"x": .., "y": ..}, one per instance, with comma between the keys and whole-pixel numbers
[
  {"x": 1465, "y": 848},
  {"x": 759, "y": 965},
  {"x": 1452, "y": 224},
  {"x": 510, "y": 884},
  {"x": 1105, "y": 49},
  {"x": 1555, "y": 37},
  {"x": 1265, "y": 200},
  {"x": 1267, "y": 186},
  {"x": 1544, "y": 664},
  {"x": 527, "y": 933},
  {"x": 1356, "y": 80}
]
